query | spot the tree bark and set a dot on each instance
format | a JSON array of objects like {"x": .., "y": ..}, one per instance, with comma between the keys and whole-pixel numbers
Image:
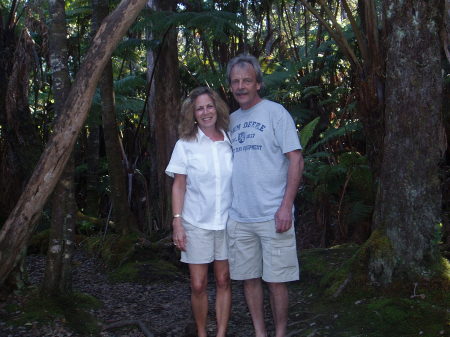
[
  {"x": 19, "y": 225},
  {"x": 151, "y": 146},
  {"x": 408, "y": 203},
  {"x": 93, "y": 164},
  {"x": 164, "y": 112},
  {"x": 123, "y": 217},
  {"x": 58, "y": 273}
]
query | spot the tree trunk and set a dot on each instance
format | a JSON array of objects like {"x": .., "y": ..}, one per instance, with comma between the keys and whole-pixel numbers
[
  {"x": 123, "y": 217},
  {"x": 93, "y": 164},
  {"x": 165, "y": 115},
  {"x": 370, "y": 85},
  {"x": 20, "y": 143},
  {"x": 19, "y": 225},
  {"x": 150, "y": 110},
  {"x": 408, "y": 203},
  {"x": 58, "y": 273}
]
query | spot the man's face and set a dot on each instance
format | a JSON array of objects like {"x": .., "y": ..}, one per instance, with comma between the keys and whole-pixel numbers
[{"x": 244, "y": 85}]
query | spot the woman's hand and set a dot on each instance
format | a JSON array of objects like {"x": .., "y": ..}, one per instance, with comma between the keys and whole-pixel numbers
[{"x": 178, "y": 236}]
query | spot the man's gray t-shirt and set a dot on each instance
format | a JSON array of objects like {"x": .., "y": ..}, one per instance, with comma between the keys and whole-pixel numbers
[{"x": 260, "y": 137}]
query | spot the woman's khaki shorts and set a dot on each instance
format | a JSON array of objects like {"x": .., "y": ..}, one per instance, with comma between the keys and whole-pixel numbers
[
  {"x": 257, "y": 250},
  {"x": 204, "y": 246}
]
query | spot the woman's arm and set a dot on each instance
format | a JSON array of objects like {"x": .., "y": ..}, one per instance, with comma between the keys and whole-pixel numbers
[{"x": 178, "y": 191}]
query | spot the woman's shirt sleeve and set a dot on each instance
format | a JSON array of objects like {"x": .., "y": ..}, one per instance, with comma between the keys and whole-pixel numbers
[{"x": 178, "y": 161}]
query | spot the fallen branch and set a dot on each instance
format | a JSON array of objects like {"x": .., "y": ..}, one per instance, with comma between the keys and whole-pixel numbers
[{"x": 123, "y": 323}]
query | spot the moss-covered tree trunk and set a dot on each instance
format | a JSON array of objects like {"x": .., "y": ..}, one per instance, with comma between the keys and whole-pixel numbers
[
  {"x": 408, "y": 203},
  {"x": 58, "y": 273}
]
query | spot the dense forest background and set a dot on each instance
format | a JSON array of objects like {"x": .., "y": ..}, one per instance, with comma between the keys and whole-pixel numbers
[{"x": 367, "y": 83}]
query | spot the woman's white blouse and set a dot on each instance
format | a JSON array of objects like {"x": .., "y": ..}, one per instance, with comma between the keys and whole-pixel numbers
[{"x": 207, "y": 165}]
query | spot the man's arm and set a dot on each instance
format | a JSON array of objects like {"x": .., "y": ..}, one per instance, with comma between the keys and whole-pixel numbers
[{"x": 283, "y": 216}]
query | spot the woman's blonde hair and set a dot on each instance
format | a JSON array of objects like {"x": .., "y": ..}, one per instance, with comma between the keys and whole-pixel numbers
[{"x": 188, "y": 125}]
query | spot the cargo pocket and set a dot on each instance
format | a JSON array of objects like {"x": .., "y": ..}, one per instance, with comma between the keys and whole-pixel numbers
[{"x": 284, "y": 255}]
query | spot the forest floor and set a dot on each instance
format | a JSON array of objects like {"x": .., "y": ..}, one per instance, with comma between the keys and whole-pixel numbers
[{"x": 162, "y": 306}]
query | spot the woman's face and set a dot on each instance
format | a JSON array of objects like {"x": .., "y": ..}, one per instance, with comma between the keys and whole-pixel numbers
[{"x": 205, "y": 112}]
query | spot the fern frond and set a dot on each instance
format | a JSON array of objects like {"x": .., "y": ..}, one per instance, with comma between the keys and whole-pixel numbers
[
  {"x": 307, "y": 132},
  {"x": 332, "y": 133},
  {"x": 129, "y": 85}
]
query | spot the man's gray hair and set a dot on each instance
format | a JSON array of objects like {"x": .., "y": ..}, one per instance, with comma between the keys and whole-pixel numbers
[{"x": 242, "y": 59}]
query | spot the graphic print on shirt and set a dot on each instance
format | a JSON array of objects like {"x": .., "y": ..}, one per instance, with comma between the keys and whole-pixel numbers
[{"x": 244, "y": 133}]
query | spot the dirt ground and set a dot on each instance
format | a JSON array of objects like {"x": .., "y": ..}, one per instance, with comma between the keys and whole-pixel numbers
[{"x": 163, "y": 307}]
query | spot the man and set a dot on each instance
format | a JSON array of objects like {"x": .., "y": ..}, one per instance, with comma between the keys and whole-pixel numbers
[{"x": 267, "y": 168}]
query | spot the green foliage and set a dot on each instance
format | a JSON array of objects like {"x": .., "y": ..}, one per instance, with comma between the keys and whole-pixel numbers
[
  {"x": 307, "y": 132},
  {"x": 333, "y": 133},
  {"x": 217, "y": 23}
]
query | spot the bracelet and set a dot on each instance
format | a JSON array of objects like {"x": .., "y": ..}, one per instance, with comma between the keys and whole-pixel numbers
[{"x": 177, "y": 215}]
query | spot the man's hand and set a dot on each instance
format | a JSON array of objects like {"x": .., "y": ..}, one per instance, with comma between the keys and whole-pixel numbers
[{"x": 283, "y": 219}]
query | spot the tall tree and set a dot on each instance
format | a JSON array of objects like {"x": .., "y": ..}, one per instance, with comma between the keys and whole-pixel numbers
[
  {"x": 164, "y": 112},
  {"x": 123, "y": 217},
  {"x": 93, "y": 164},
  {"x": 408, "y": 204},
  {"x": 58, "y": 273},
  {"x": 18, "y": 227},
  {"x": 20, "y": 145},
  {"x": 400, "y": 105}
]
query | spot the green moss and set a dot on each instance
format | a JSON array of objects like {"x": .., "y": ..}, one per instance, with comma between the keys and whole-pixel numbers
[
  {"x": 394, "y": 317},
  {"x": 11, "y": 307},
  {"x": 125, "y": 273},
  {"x": 71, "y": 309},
  {"x": 403, "y": 308},
  {"x": 145, "y": 271},
  {"x": 332, "y": 269},
  {"x": 135, "y": 259},
  {"x": 378, "y": 242},
  {"x": 114, "y": 249}
]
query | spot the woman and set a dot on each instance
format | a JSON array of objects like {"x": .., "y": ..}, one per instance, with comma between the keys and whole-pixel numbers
[{"x": 201, "y": 165}]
